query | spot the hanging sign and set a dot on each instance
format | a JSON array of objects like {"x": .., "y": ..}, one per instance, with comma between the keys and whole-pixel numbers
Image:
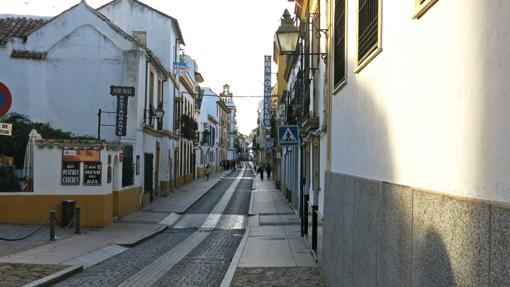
[
  {"x": 5, "y": 99},
  {"x": 5, "y": 129},
  {"x": 122, "y": 93},
  {"x": 266, "y": 120},
  {"x": 92, "y": 173},
  {"x": 70, "y": 173},
  {"x": 180, "y": 68}
]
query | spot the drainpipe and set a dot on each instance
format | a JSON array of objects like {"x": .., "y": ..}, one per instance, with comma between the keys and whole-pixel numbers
[{"x": 145, "y": 102}]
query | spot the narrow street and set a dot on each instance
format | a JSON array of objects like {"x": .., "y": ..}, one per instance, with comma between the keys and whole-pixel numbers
[{"x": 195, "y": 251}]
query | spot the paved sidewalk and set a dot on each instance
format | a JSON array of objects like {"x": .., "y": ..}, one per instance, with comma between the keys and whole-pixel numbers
[
  {"x": 177, "y": 202},
  {"x": 272, "y": 252}
]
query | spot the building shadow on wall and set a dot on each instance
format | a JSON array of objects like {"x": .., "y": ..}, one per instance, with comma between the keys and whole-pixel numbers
[{"x": 432, "y": 262}]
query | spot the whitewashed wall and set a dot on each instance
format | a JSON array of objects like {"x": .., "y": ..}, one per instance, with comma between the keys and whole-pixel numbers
[
  {"x": 47, "y": 174},
  {"x": 161, "y": 39},
  {"x": 431, "y": 110}
]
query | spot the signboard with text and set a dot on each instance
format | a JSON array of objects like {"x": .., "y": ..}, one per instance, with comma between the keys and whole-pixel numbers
[
  {"x": 70, "y": 173},
  {"x": 122, "y": 93},
  {"x": 85, "y": 155},
  {"x": 180, "y": 68},
  {"x": 92, "y": 173},
  {"x": 5, "y": 129},
  {"x": 266, "y": 120}
]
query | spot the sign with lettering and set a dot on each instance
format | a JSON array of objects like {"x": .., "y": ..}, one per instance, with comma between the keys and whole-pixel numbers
[
  {"x": 266, "y": 120},
  {"x": 122, "y": 93},
  {"x": 5, "y": 129},
  {"x": 85, "y": 155},
  {"x": 70, "y": 173},
  {"x": 180, "y": 68},
  {"x": 121, "y": 118},
  {"x": 92, "y": 173}
]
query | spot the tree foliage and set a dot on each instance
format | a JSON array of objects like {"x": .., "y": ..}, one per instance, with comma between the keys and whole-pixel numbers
[{"x": 15, "y": 145}]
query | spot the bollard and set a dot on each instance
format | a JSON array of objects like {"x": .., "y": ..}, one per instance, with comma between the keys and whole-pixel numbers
[
  {"x": 52, "y": 225},
  {"x": 77, "y": 220}
]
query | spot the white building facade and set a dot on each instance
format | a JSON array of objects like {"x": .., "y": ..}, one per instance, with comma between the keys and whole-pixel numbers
[{"x": 416, "y": 191}]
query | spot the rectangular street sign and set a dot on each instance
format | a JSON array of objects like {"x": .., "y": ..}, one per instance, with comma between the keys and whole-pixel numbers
[
  {"x": 5, "y": 129},
  {"x": 122, "y": 91},
  {"x": 288, "y": 135}
]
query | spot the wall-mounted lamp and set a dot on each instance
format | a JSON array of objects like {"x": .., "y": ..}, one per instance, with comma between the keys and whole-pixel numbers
[{"x": 287, "y": 36}]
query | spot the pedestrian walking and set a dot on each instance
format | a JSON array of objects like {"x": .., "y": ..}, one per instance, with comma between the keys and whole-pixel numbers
[
  {"x": 260, "y": 170},
  {"x": 268, "y": 171},
  {"x": 207, "y": 171}
]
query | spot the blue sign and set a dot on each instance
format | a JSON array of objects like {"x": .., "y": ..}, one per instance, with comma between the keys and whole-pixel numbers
[{"x": 288, "y": 135}]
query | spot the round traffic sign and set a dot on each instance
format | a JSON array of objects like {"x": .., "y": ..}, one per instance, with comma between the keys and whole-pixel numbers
[{"x": 5, "y": 99}]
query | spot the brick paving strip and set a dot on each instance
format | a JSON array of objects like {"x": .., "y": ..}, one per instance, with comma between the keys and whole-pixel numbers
[
  {"x": 154, "y": 271},
  {"x": 19, "y": 274},
  {"x": 277, "y": 276}
]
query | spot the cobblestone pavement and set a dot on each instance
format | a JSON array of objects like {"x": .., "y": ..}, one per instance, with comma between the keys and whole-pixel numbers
[
  {"x": 240, "y": 201},
  {"x": 18, "y": 274},
  {"x": 40, "y": 238},
  {"x": 207, "y": 202},
  {"x": 205, "y": 265},
  {"x": 277, "y": 276},
  {"x": 113, "y": 271}
]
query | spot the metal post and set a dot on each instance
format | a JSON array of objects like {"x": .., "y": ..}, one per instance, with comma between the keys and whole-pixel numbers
[
  {"x": 99, "y": 124},
  {"x": 52, "y": 225},
  {"x": 77, "y": 220}
]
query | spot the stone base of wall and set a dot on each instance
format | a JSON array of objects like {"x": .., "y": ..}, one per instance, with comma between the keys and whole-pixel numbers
[
  {"x": 96, "y": 210},
  {"x": 126, "y": 201},
  {"x": 383, "y": 234}
]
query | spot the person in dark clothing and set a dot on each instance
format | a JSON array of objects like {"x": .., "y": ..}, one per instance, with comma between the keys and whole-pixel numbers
[
  {"x": 268, "y": 171},
  {"x": 260, "y": 170}
]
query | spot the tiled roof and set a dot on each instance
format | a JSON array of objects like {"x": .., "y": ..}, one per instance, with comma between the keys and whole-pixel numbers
[{"x": 18, "y": 27}]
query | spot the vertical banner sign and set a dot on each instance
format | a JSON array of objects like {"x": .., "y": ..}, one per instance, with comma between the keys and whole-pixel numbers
[
  {"x": 122, "y": 94},
  {"x": 266, "y": 122}
]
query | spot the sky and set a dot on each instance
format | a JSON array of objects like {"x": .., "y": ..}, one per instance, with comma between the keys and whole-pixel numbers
[{"x": 227, "y": 38}]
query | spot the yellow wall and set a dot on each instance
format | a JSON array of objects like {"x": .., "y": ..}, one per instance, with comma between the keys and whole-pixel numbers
[
  {"x": 96, "y": 210},
  {"x": 126, "y": 201}
]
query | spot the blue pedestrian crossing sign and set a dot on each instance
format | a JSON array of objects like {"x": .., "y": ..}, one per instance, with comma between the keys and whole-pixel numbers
[{"x": 288, "y": 135}]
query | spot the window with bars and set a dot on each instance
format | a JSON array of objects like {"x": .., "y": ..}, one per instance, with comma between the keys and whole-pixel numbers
[
  {"x": 368, "y": 29},
  {"x": 339, "y": 48},
  {"x": 422, "y": 6}
]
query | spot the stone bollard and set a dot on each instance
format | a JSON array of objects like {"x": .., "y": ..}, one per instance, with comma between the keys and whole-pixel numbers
[
  {"x": 77, "y": 220},
  {"x": 52, "y": 224}
]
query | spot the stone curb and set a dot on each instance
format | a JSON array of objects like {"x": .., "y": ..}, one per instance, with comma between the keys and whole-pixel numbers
[
  {"x": 229, "y": 275},
  {"x": 55, "y": 277},
  {"x": 144, "y": 237}
]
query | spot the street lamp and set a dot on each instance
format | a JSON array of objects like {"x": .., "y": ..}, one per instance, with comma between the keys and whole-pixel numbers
[
  {"x": 159, "y": 113},
  {"x": 287, "y": 35}
]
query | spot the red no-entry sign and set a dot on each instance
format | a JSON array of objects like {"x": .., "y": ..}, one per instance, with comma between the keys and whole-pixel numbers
[{"x": 5, "y": 99}]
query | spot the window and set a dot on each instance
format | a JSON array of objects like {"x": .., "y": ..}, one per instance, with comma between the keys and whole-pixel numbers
[
  {"x": 339, "y": 52},
  {"x": 369, "y": 31},
  {"x": 422, "y": 6}
]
